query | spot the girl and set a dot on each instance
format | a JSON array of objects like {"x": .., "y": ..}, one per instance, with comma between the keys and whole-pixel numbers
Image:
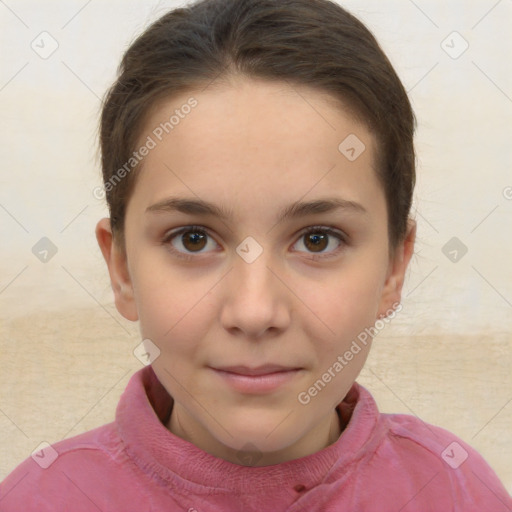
[{"x": 275, "y": 136}]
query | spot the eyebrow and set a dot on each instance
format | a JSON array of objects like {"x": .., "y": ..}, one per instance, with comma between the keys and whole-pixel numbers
[{"x": 192, "y": 206}]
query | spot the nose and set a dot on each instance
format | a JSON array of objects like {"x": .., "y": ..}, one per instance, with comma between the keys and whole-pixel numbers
[{"x": 255, "y": 300}]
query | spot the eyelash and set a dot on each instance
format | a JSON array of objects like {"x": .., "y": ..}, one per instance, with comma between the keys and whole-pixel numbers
[{"x": 325, "y": 230}]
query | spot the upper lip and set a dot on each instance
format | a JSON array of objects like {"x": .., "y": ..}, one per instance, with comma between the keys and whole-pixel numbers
[{"x": 259, "y": 370}]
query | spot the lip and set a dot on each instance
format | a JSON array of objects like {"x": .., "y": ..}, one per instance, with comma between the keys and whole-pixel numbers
[
  {"x": 263, "y": 379},
  {"x": 265, "y": 369}
]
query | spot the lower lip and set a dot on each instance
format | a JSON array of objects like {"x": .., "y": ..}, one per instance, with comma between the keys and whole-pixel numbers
[{"x": 256, "y": 384}]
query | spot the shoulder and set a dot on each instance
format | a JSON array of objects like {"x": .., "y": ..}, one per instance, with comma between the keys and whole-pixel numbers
[
  {"x": 81, "y": 473},
  {"x": 447, "y": 465}
]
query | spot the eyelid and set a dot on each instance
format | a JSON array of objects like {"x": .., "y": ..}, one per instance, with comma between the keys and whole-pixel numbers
[
  {"x": 326, "y": 229},
  {"x": 178, "y": 231},
  {"x": 330, "y": 230}
]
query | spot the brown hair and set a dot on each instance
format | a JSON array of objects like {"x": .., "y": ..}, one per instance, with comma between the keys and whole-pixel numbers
[{"x": 315, "y": 43}]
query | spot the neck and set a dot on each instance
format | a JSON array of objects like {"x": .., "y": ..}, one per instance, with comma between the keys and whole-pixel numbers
[{"x": 322, "y": 436}]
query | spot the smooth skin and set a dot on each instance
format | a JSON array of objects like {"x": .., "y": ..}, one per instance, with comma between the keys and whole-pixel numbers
[{"x": 252, "y": 148}]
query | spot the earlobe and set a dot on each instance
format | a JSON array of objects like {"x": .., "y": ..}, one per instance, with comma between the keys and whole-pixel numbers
[
  {"x": 392, "y": 291},
  {"x": 118, "y": 270}
]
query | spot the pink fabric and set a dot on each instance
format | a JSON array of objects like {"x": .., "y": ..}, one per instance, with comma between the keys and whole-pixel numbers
[{"x": 381, "y": 462}]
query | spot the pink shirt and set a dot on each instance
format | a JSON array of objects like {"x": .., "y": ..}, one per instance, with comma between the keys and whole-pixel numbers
[{"x": 381, "y": 462}]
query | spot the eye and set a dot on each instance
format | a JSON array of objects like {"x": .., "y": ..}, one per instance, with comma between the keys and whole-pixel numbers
[
  {"x": 321, "y": 241},
  {"x": 189, "y": 240}
]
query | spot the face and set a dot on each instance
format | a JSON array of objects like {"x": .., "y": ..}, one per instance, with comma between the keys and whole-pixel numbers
[{"x": 256, "y": 253}]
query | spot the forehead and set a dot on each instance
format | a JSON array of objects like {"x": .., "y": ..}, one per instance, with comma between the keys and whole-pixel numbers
[
  {"x": 251, "y": 111},
  {"x": 268, "y": 142}
]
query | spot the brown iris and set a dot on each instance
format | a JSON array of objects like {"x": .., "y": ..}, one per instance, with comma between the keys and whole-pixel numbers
[
  {"x": 316, "y": 242},
  {"x": 194, "y": 240}
]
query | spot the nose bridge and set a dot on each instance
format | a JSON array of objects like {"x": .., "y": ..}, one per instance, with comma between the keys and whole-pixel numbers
[
  {"x": 251, "y": 268},
  {"x": 256, "y": 300}
]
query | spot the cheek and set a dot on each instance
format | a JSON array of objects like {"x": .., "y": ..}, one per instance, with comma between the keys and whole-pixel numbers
[
  {"x": 169, "y": 301},
  {"x": 342, "y": 304},
  {"x": 173, "y": 314}
]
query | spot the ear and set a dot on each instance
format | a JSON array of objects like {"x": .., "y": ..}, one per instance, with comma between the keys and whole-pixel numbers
[
  {"x": 118, "y": 269},
  {"x": 392, "y": 290}
]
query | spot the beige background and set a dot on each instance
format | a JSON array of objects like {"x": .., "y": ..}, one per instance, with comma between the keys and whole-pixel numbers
[{"x": 66, "y": 354}]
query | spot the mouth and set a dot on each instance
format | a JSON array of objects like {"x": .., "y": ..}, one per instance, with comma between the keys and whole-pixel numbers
[
  {"x": 266, "y": 369},
  {"x": 256, "y": 380}
]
